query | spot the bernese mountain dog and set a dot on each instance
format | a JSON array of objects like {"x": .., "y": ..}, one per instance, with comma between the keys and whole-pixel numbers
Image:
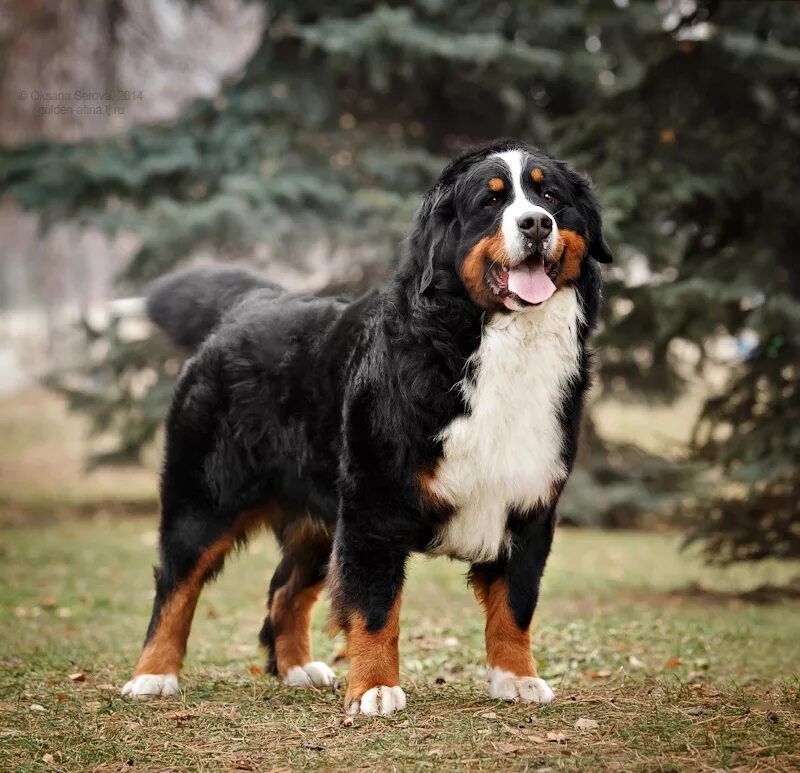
[{"x": 438, "y": 414}]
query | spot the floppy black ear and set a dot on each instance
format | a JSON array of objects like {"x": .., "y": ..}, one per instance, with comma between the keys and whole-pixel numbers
[
  {"x": 433, "y": 228},
  {"x": 598, "y": 247},
  {"x": 599, "y": 250}
]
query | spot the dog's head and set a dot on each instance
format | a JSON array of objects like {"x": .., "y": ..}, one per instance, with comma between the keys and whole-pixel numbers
[{"x": 509, "y": 222}]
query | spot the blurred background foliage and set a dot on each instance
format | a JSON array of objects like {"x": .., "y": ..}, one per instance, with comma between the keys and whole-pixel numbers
[{"x": 310, "y": 163}]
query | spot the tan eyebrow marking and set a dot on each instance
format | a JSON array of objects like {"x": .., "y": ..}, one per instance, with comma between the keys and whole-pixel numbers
[
  {"x": 496, "y": 184},
  {"x": 537, "y": 174}
]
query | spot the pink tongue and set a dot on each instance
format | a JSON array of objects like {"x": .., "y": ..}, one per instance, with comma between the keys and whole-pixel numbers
[{"x": 530, "y": 283}]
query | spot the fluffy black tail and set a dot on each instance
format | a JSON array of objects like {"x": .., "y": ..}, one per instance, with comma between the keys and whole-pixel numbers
[{"x": 188, "y": 304}]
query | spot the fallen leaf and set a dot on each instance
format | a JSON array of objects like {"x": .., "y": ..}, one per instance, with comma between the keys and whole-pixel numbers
[
  {"x": 556, "y": 737},
  {"x": 695, "y": 711},
  {"x": 78, "y": 676},
  {"x": 598, "y": 675},
  {"x": 587, "y": 724},
  {"x": 256, "y": 670},
  {"x": 507, "y": 748},
  {"x": 181, "y": 716},
  {"x": 672, "y": 662},
  {"x": 63, "y": 613},
  {"x": 48, "y": 758},
  {"x": 635, "y": 662},
  {"x": 37, "y": 707},
  {"x": 48, "y": 601},
  {"x": 490, "y": 715}
]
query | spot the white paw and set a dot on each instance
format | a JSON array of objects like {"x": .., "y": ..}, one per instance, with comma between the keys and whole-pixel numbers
[
  {"x": 316, "y": 674},
  {"x": 151, "y": 685},
  {"x": 379, "y": 700},
  {"x": 509, "y": 687}
]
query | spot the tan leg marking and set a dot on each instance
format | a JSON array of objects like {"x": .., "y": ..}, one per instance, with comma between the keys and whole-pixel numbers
[
  {"x": 374, "y": 657},
  {"x": 291, "y": 617},
  {"x": 164, "y": 652},
  {"x": 507, "y": 645}
]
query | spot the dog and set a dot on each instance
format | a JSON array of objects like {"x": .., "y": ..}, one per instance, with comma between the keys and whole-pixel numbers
[{"x": 437, "y": 414}]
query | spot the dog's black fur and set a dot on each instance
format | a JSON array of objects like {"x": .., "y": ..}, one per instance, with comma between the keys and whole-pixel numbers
[{"x": 328, "y": 409}]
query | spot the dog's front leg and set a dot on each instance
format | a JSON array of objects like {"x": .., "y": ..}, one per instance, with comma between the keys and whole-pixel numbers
[
  {"x": 366, "y": 580},
  {"x": 508, "y": 590}
]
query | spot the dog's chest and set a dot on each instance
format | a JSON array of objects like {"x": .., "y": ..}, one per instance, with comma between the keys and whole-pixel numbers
[{"x": 507, "y": 451}]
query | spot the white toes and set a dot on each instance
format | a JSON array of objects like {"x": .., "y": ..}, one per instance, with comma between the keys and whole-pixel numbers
[
  {"x": 508, "y": 687},
  {"x": 316, "y": 674},
  {"x": 151, "y": 686},
  {"x": 379, "y": 700},
  {"x": 321, "y": 675}
]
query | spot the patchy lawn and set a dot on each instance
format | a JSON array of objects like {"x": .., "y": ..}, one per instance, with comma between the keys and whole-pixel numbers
[
  {"x": 43, "y": 452},
  {"x": 674, "y": 680}
]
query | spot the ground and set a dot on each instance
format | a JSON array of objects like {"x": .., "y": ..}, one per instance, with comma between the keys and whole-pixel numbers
[
  {"x": 674, "y": 680},
  {"x": 681, "y": 667}
]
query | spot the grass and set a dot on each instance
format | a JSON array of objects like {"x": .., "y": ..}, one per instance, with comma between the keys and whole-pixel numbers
[
  {"x": 43, "y": 449},
  {"x": 674, "y": 680},
  {"x": 673, "y": 661}
]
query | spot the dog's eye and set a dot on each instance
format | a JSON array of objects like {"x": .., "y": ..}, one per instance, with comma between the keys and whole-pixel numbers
[
  {"x": 549, "y": 198},
  {"x": 492, "y": 201}
]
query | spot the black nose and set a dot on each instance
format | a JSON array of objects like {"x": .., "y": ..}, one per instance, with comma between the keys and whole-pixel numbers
[{"x": 535, "y": 225}]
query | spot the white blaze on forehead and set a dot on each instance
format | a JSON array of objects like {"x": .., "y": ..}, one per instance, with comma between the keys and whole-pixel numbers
[{"x": 519, "y": 204}]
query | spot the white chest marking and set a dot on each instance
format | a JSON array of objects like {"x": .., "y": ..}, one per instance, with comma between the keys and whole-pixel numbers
[{"x": 507, "y": 451}]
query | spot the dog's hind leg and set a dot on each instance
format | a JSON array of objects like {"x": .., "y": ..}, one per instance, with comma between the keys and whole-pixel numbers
[
  {"x": 210, "y": 482},
  {"x": 193, "y": 549},
  {"x": 295, "y": 587}
]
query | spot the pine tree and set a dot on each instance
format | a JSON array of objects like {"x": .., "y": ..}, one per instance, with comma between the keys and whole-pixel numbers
[{"x": 686, "y": 114}]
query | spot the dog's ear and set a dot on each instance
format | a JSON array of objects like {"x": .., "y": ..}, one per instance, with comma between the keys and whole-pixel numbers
[
  {"x": 434, "y": 220},
  {"x": 598, "y": 246},
  {"x": 599, "y": 249}
]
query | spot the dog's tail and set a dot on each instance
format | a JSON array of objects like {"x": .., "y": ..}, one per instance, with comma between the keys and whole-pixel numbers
[{"x": 188, "y": 304}]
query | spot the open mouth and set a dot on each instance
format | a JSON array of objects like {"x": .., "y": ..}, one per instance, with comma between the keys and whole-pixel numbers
[{"x": 530, "y": 282}]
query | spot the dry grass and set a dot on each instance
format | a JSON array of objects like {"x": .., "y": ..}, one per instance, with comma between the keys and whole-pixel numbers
[{"x": 674, "y": 682}]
